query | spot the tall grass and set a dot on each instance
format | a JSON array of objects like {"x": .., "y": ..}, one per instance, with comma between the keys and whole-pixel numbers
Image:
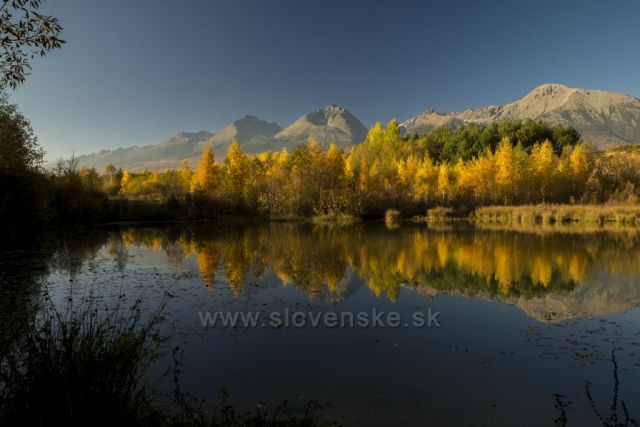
[
  {"x": 336, "y": 218},
  {"x": 440, "y": 214},
  {"x": 80, "y": 366},
  {"x": 559, "y": 214},
  {"x": 87, "y": 366}
]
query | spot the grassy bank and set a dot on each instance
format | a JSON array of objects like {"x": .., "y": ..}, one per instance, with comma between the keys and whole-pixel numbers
[
  {"x": 337, "y": 218},
  {"x": 559, "y": 214}
]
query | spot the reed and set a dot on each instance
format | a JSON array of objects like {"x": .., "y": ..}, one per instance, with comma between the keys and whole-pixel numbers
[
  {"x": 559, "y": 214},
  {"x": 80, "y": 366},
  {"x": 335, "y": 218},
  {"x": 87, "y": 365},
  {"x": 440, "y": 214}
]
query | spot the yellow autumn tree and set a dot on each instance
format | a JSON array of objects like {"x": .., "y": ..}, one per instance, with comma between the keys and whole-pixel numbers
[
  {"x": 274, "y": 199},
  {"x": 444, "y": 183},
  {"x": 234, "y": 175},
  {"x": 581, "y": 164},
  {"x": 406, "y": 170},
  {"x": 204, "y": 180},
  {"x": 185, "y": 176},
  {"x": 333, "y": 165},
  {"x": 363, "y": 177},
  {"x": 376, "y": 134},
  {"x": 542, "y": 166},
  {"x": 425, "y": 180},
  {"x": 508, "y": 172},
  {"x": 484, "y": 176},
  {"x": 126, "y": 178},
  {"x": 564, "y": 182},
  {"x": 349, "y": 167}
]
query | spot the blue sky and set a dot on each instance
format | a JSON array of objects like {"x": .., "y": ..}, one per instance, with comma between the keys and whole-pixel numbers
[{"x": 136, "y": 72}]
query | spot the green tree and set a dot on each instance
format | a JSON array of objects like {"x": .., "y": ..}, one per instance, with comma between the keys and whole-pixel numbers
[{"x": 19, "y": 151}]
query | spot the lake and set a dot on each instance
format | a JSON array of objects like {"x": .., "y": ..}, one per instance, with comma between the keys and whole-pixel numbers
[{"x": 420, "y": 324}]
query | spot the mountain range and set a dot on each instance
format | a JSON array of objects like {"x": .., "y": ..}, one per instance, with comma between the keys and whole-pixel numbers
[
  {"x": 603, "y": 118},
  {"x": 329, "y": 124}
]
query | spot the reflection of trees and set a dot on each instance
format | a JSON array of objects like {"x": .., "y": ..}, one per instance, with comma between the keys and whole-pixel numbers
[
  {"x": 24, "y": 267},
  {"x": 315, "y": 259},
  {"x": 237, "y": 260},
  {"x": 69, "y": 251},
  {"x": 116, "y": 248},
  {"x": 208, "y": 260}
]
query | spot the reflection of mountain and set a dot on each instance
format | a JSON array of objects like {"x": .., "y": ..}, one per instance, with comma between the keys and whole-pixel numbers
[
  {"x": 551, "y": 276},
  {"x": 604, "y": 295}
]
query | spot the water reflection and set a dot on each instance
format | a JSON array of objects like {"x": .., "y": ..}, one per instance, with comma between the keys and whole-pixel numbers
[
  {"x": 489, "y": 361},
  {"x": 23, "y": 269},
  {"x": 552, "y": 276}
]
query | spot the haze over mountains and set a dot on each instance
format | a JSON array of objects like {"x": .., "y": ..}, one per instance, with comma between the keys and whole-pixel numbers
[
  {"x": 329, "y": 124},
  {"x": 602, "y": 118}
]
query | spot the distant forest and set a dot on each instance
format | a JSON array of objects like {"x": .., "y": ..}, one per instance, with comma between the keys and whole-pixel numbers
[{"x": 506, "y": 163}]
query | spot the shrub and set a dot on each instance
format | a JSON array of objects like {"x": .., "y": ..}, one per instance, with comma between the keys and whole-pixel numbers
[{"x": 391, "y": 218}]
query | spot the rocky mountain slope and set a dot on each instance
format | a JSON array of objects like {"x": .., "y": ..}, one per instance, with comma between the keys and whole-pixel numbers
[
  {"x": 329, "y": 124},
  {"x": 249, "y": 130},
  {"x": 602, "y": 118}
]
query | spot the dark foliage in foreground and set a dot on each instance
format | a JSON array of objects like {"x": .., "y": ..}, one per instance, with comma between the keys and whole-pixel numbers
[
  {"x": 87, "y": 366},
  {"x": 81, "y": 366}
]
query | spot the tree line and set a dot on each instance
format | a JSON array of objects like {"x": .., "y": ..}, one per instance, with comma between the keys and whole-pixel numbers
[{"x": 511, "y": 162}]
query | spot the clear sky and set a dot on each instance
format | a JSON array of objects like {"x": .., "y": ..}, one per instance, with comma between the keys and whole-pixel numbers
[{"x": 134, "y": 72}]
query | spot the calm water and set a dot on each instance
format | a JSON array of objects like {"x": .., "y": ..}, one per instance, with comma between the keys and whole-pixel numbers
[{"x": 523, "y": 315}]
